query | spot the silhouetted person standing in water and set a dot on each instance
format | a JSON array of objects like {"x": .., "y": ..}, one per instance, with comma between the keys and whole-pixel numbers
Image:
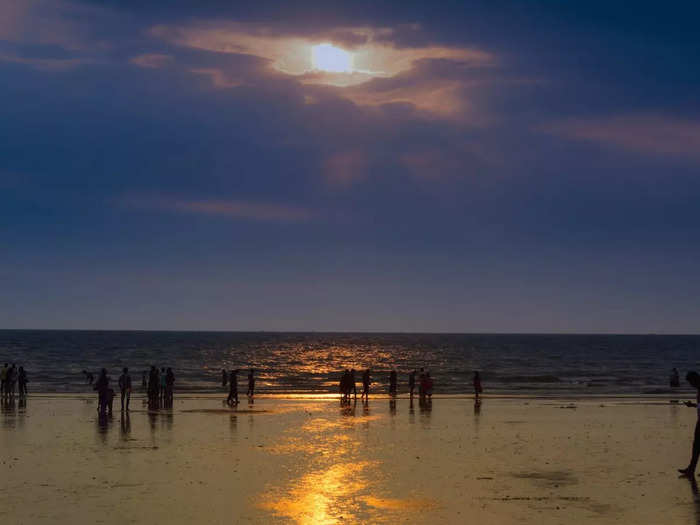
[
  {"x": 153, "y": 388},
  {"x": 365, "y": 384},
  {"x": 125, "y": 387},
  {"x": 144, "y": 380},
  {"x": 11, "y": 380},
  {"x": 351, "y": 383},
  {"x": 89, "y": 378},
  {"x": 162, "y": 384},
  {"x": 232, "y": 388},
  {"x": 694, "y": 379},
  {"x": 169, "y": 386},
  {"x": 412, "y": 382},
  {"x": 224, "y": 377},
  {"x": 8, "y": 381},
  {"x": 427, "y": 386},
  {"x": 674, "y": 380},
  {"x": 343, "y": 386},
  {"x": 392, "y": 383},
  {"x": 3, "y": 379},
  {"x": 421, "y": 381},
  {"x": 251, "y": 383},
  {"x": 22, "y": 381},
  {"x": 102, "y": 387},
  {"x": 477, "y": 385}
]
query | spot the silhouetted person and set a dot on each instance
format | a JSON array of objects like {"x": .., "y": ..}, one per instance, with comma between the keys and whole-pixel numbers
[
  {"x": 102, "y": 387},
  {"x": 11, "y": 380},
  {"x": 421, "y": 380},
  {"x": 162, "y": 384},
  {"x": 89, "y": 378},
  {"x": 109, "y": 400},
  {"x": 694, "y": 379},
  {"x": 3, "y": 379},
  {"x": 392, "y": 383},
  {"x": 365, "y": 384},
  {"x": 477, "y": 385},
  {"x": 674, "y": 380},
  {"x": 352, "y": 383},
  {"x": 412, "y": 382},
  {"x": 169, "y": 386},
  {"x": 224, "y": 377},
  {"x": 251, "y": 383},
  {"x": 125, "y": 388},
  {"x": 153, "y": 381},
  {"x": 22, "y": 381},
  {"x": 427, "y": 385},
  {"x": 232, "y": 388},
  {"x": 344, "y": 386},
  {"x": 144, "y": 380}
]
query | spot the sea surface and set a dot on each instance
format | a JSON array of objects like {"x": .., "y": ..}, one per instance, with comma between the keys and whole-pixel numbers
[{"x": 311, "y": 363}]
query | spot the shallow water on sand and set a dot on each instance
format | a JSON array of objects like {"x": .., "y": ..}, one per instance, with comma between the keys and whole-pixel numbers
[{"x": 311, "y": 461}]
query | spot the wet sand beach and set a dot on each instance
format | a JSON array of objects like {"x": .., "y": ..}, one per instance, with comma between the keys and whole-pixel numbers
[{"x": 313, "y": 461}]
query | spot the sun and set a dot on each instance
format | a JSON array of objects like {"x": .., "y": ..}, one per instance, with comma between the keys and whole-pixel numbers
[{"x": 327, "y": 57}]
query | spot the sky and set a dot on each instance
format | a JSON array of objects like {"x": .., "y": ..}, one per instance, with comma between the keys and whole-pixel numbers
[{"x": 488, "y": 166}]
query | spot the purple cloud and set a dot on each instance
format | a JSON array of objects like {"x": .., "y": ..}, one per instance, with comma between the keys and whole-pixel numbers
[
  {"x": 644, "y": 133},
  {"x": 234, "y": 209}
]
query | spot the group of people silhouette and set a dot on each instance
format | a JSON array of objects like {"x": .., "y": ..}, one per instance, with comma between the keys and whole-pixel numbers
[
  {"x": 11, "y": 376},
  {"x": 160, "y": 387},
  {"x": 420, "y": 378},
  {"x": 231, "y": 378},
  {"x": 347, "y": 385}
]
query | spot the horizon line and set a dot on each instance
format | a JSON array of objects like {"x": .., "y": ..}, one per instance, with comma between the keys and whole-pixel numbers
[{"x": 367, "y": 332}]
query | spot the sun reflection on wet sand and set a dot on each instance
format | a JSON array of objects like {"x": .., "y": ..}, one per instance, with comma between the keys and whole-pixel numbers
[
  {"x": 399, "y": 504},
  {"x": 337, "y": 481},
  {"x": 325, "y": 496}
]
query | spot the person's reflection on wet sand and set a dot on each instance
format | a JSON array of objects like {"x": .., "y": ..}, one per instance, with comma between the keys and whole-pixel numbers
[
  {"x": 348, "y": 409},
  {"x": 411, "y": 412},
  {"x": 8, "y": 412},
  {"x": 365, "y": 407},
  {"x": 477, "y": 407},
  {"x": 233, "y": 428},
  {"x": 21, "y": 411},
  {"x": 125, "y": 426},
  {"x": 152, "y": 418},
  {"x": 392, "y": 406},
  {"x": 426, "y": 407},
  {"x": 8, "y": 404},
  {"x": 167, "y": 420},
  {"x": 103, "y": 421}
]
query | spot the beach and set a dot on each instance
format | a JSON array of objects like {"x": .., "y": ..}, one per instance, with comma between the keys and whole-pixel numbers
[{"x": 298, "y": 460}]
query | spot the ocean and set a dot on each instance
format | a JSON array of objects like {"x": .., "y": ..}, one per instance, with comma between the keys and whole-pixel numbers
[{"x": 311, "y": 363}]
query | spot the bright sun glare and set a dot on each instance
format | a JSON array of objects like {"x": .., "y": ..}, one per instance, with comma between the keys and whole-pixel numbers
[{"x": 330, "y": 58}]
